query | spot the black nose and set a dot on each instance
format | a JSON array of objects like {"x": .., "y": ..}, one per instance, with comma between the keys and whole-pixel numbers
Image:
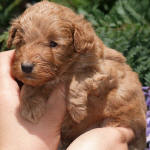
[{"x": 27, "y": 67}]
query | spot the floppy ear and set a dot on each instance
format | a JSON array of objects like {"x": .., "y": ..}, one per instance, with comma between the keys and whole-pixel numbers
[
  {"x": 14, "y": 36},
  {"x": 12, "y": 33},
  {"x": 84, "y": 38}
]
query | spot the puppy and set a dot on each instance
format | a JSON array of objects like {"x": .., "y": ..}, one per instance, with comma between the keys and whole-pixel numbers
[{"x": 53, "y": 45}]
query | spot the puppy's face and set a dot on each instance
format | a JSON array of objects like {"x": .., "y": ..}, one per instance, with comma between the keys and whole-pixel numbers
[
  {"x": 45, "y": 42},
  {"x": 41, "y": 50}
]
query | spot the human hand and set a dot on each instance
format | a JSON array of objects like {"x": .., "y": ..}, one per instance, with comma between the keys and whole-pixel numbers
[
  {"x": 106, "y": 138},
  {"x": 17, "y": 133}
]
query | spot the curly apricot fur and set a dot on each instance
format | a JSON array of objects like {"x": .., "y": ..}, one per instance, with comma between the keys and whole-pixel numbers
[{"x": 102, "y": 90}]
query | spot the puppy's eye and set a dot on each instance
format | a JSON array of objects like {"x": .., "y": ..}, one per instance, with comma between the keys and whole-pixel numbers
[{"x": 53, "y": 44}]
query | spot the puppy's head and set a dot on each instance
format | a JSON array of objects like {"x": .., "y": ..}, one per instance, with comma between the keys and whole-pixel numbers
[{"x": 44, "y": 44}]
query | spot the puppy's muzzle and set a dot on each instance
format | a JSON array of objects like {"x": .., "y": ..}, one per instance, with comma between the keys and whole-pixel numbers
[{"x": 27, "y": 67}]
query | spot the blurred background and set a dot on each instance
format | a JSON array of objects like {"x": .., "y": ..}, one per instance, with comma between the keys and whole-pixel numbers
[{"x": 122, "y": 24}]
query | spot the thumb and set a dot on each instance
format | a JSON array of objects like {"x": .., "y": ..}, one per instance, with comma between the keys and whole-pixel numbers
[
  {"x": 6, "y": 80},
  {"x": 56, "y": 107}
]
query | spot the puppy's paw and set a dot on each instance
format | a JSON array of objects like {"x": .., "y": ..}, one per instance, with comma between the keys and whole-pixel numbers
[
  {"x": 32, "y": 112},
  {"x": 77, "y": 112}
]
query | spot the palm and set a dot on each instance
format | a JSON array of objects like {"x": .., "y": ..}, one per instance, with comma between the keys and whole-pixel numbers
[{"x": 45, "y": 134}]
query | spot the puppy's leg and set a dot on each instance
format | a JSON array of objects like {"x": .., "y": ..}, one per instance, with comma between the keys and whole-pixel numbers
[
  {"x": 78, "y": 94},
  {"x": 33, "y": 103},
  {"x": 77, "y": 99}
]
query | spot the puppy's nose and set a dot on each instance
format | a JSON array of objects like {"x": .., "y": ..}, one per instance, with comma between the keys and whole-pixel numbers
[{"x": 27, "y": 67}]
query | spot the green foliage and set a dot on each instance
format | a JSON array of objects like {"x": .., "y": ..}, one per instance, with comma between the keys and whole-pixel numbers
[
  {"x": 122, "y": 24},
  {"x": 3, "y": 39},
  {"x": 8, "y": 9}
]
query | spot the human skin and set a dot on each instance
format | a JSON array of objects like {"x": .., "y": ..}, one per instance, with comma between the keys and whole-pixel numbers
[{"x": 17, "y": 133}]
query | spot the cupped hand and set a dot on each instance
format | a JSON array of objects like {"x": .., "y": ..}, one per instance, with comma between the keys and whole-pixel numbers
[{"x": 17, "y": 133}]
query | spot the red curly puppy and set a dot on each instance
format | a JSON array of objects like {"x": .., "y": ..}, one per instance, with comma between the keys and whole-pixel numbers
[{"x": 53, "y": 45}]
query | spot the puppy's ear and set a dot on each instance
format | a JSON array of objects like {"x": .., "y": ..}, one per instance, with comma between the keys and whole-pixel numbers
[
  {"x": 84, "y": 38},
  {"x": 12, "y": 33},
  {"x": 14, "y": 36}
]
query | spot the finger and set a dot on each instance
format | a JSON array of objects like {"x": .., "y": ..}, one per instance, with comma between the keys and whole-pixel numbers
[
  {"x": 7, "y": 82},
  {"x": 5, "y": 61}
]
